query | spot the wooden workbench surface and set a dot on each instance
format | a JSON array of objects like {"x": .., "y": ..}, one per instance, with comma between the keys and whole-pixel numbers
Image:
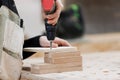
[{"x": 96, "y": 66}]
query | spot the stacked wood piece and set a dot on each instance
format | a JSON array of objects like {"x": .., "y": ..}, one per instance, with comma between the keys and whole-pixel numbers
[{"x": 60, "y": 61}]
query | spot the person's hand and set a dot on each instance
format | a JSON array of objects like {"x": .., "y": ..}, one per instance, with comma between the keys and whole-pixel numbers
[
  {"x": 57, "y": 42},
  {"x": 53, "y": 18}
]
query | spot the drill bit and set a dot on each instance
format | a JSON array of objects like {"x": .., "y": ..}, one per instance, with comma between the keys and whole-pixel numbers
[{"x": 50, "y": 44}]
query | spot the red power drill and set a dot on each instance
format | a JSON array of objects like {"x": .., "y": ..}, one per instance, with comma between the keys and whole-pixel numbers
[{"x": 49, "y": 7}]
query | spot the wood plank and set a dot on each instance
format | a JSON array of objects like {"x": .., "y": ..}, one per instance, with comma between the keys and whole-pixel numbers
[
  {"x": 49, "y": 66},
  {"x": 79, "y": 68},
  {"x": 63, "y": 60},
  {"x": 66, "y": 60},
  {"x": 39, "y": 49},
  {"x": 28, "y": 76},
  {"x": 58, "y": 70},
  {"x": 91, "y": 68},
  {"x": 45, "y": 71},
  {"x": 62, "y": 54},
  {"x": 55, "y": 68},
  {"x": 42, "y": 66},
  {"x": 57, "y": 60}
]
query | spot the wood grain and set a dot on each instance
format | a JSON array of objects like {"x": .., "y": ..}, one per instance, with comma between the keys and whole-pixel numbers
[
  {"x": 55, "y": 68},
  {"x": 39, "y": 49},
  {"x": 63, "y": 60},
  {"x": 62, "y": 54}
]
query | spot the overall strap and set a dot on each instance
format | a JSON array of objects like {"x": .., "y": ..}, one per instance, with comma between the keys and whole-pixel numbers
[{"x": 11, "y": 5}]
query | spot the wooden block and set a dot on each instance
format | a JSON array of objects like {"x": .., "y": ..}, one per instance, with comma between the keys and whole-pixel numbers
[
  {"x": 47, "y": 60},
  {"x": 62, "y": 54},
  {"x": 62, "y": 57},
  {"x": 79, "y": 68},
  {"x": 63, "y": 60},
  {"x": 50, "y": 66},
  {"x": 43, "y": 68},
  {"x": 58, "y": 70},
  {"x": 28, "y": 76},
  {"x": 66, "y": 60},
  {"x": 45, "y": 71},
  {"x": 55, "y": 68},
  {"x": 39, "y": 49}
]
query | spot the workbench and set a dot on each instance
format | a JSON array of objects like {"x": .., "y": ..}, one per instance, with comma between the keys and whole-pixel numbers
[{"x": 96, "y": 66}]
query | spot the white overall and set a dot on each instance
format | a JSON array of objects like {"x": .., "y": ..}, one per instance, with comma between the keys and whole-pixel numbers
[{"x": 30, "y": 11}]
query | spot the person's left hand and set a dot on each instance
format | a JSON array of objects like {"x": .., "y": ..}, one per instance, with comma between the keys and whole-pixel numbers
[
  {"x": 57, "y": 42},
  {"x": 53, "y": 18}
]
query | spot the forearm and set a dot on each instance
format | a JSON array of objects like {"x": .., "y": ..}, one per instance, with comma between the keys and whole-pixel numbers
[{"x": 33, "y": 42}]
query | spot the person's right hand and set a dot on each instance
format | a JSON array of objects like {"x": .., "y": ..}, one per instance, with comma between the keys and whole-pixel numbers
[
  {"x": 57, "y": 42},
  {"x": 53, "y": 18}
]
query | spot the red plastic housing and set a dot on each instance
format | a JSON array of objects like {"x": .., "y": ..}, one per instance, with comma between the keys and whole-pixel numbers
[{"x": 48, "y": 5}]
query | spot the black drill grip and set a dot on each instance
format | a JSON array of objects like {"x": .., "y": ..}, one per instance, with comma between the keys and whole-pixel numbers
[{"x": 50, "y": 31}]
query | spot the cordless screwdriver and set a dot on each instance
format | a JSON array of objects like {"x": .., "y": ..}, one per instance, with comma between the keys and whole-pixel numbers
[{"x": 49, "y": 7}]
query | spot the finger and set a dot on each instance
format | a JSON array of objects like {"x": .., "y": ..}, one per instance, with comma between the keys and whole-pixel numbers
[
  {"x": 59, "y": 7},
  {"x": 61, "y": 42},
  {"x": 65, "y": 43},
  {"x": 54, "y": 45},
  {"x": 53, "y": 21},
  {"x": 54, "y": 15},
  {"x": 45, "y": 43},
  {"x": 53, "y": 18}
]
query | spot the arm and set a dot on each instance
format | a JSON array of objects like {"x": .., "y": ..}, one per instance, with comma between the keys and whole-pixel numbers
[
  {"x": 32, "y": 42},
  {"x": 41, "y": 41},
  {"x": 52, "y": 19}
]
